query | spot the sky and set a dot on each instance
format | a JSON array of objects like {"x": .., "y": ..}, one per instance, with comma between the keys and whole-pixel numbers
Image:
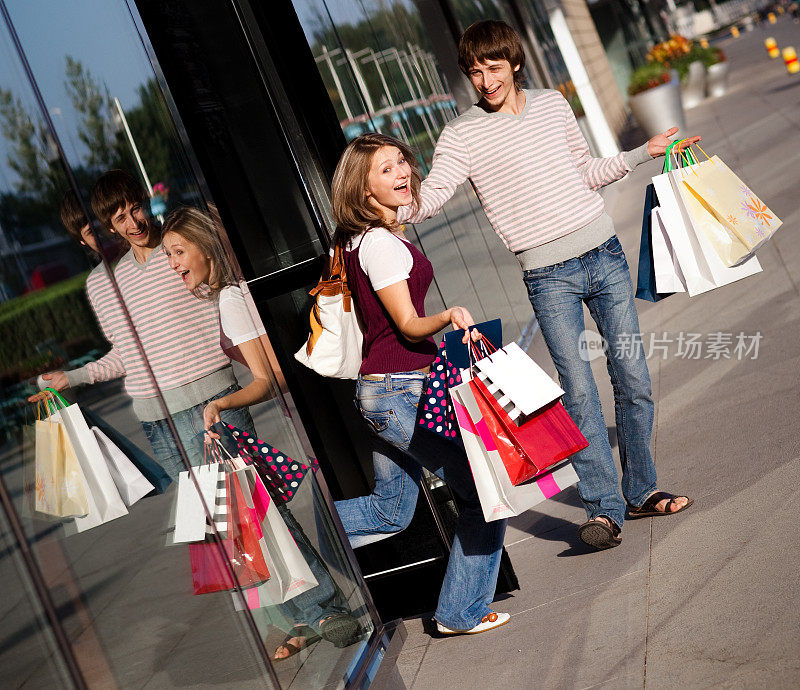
[{"x": 99, "y": 33}]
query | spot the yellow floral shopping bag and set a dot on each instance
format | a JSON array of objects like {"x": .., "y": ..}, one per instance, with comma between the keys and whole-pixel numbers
[
  {"x": 726, "y": 210},
  {"x": 60, "y": 484}
]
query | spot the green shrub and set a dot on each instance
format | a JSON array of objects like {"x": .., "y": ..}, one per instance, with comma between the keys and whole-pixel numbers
[
  {"x": 60, "y": 313},
  {"x": 648, "y": 77}
]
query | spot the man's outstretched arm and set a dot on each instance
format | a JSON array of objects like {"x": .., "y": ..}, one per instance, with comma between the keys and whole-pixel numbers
[{"x": 451, "y": 167}]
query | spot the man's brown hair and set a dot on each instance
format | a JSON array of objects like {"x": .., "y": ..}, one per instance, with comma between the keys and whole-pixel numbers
[
  {"x": 489, "y": 39},
  {"x": 112, "y": 191},
  {"x": 72, "y": 215}
]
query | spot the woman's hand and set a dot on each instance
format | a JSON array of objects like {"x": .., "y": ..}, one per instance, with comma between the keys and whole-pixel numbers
[
  {"x": 657, "y": 146},
  {"x": 460, "y": 318},
  {"x": 211, "y": 417}
]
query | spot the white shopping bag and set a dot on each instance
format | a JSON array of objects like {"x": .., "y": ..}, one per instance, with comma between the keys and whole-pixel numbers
[
  {"x": 103, "y": 498},
  {"x": 702, "y": 268},
  {"x": 513, "y": 377},
  {"x": 190, "y": 513},
  {"x": 131, "y": 484},
  {"x": 289, "y": 573},
  {"x": 669, "y": 277},
  {"x": 498, "y": 496}
]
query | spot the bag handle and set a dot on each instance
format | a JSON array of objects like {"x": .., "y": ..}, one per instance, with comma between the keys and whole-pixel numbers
[{"x": 57, "y": 398}]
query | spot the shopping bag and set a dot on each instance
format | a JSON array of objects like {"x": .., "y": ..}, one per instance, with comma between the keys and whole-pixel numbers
[
  {"x": 152, "y": 471},
  {"x": 436, "y": 412},
  {"x": 103, "y": 499},
  {"x": 242, "y": 549},
  {"x": 131, "y": 484},
  {"x": 666, "y": 269},
  {"x": 59, "y": 482},
  {"x": 736, "y": 222},
  {"x": 280, "y": 474},
  {"x": 290, "y": 574},
  {"x": 498, "y": 496},
  {"x": 536, "y": 443},
  {"x": 519, "y": 384},
  {"x": 702, "y": 268},
  {"x": 646, "y": 286},
  {"x": 191, "y": 505}
]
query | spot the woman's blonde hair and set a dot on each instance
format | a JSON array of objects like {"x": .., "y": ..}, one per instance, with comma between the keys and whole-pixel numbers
[
  {"x": 196, "y": 227},
  {"x": 351, "y": 208}
]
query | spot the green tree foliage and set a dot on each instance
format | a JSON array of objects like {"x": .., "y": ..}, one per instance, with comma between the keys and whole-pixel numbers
[
  {"x": 96, "y": 125},
  {"x": 149, "y": 123},
  {"x": 28, "y": 152}
]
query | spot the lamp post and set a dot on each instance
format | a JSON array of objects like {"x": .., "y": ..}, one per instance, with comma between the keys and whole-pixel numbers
[{"x": 122, "y": 122}]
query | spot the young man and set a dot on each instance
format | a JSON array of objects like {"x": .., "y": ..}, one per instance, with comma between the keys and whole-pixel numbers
[
  {"x": 177, "y": 336},
  {"x": 531, "y": 168}
]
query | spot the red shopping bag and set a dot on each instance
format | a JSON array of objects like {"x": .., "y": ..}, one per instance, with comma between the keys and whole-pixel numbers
[
  {"x": 543, "y": 439},
  {"x": 241, "y": 548}
]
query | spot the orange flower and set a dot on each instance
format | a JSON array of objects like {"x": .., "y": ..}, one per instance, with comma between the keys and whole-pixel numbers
[
  {"x": 759, "y": 210},
  {"x": 733, "y": 220}
]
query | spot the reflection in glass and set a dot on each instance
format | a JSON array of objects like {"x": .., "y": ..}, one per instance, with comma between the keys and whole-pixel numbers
[{"x": 144, "y": 368}]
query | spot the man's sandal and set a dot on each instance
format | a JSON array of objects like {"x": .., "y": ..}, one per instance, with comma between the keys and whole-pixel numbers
[
  {"x": 648, "y": 508},
  {"x": 600, "y": 534},
  {"x": 298, "y": 631}
]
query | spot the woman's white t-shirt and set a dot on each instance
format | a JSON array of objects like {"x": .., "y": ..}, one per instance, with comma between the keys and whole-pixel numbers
[
  {"x": 238, "y": 317},
  {"x": 383, "y": 256}
]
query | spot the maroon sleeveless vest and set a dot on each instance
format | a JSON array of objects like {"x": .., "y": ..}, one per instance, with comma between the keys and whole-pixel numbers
[{"x": 386, "y": 351}]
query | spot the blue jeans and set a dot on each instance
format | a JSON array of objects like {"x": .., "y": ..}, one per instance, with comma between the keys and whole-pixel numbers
[
  {"x": 600, "y": 279},
  {"x": 390, "y": 408},
  {"x": 189, "y": 424}
]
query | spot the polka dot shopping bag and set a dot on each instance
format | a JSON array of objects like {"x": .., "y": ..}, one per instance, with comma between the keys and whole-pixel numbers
[
  {"x": 437, "y": 413},
  {"x": 280, "y": 474}
]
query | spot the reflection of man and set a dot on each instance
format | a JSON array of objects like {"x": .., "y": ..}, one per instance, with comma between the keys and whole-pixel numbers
[
  {"x": 531, "y": 167},
  {"x": 178, "y": 333}
]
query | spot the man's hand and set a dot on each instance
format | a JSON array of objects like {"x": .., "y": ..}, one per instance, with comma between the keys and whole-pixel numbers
[
  {"x": 210, "y": 417},
  {"x": 53, "y": 379},
  {"x": 657, "y": 146}
]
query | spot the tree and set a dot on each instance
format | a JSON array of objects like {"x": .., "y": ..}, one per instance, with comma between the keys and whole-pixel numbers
[
  {"x": 94, "y": 106},
  {"x": 26, "y": 157}
]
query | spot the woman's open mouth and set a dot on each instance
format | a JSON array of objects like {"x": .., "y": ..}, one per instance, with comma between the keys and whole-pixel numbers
[
  {"x": 184, "y": 274},
  {"x": 402, "y": 188}
]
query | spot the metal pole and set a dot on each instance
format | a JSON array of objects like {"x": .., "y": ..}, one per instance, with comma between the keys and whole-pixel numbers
[
  {"x": 127, "y": 129},
  {"x": 327, "y": 56},
  {"x": 362, "y": 84}
]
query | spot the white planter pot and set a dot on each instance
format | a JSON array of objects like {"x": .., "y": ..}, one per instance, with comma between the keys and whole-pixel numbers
[
  {"x": 717, "y": 79},
  {"x": 658, "y": 109},
  {"x": 694, "y": 87}
]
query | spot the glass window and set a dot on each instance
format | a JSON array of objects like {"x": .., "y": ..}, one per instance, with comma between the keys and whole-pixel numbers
[{"x": 159, "y": 339}]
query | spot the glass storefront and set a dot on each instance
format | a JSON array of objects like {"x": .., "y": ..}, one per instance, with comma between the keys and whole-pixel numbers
[{"x": 116, "y": 578}]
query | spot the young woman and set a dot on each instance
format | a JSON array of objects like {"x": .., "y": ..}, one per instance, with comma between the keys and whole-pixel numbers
[
  {"x": 389, "y": 279},
  {"x": 195, "y": 252}
]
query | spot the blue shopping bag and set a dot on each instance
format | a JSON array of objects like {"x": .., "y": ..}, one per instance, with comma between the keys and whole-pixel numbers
[{"x": 646, "y": 276}]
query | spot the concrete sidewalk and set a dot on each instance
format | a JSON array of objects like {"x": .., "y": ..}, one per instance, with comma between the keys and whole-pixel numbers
[{"x": 708, "y": 597}]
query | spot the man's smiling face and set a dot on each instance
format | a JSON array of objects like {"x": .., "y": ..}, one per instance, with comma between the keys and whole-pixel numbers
[
  {"x": 132, "y": 224},
  {"x": 494, "y": 81}
]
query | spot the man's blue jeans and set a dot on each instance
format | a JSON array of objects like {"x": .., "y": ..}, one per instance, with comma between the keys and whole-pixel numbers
[
  {"x": 600, "y": 279},
  {"x": 390, "y": 408},
  {"x": 189, "y": 424}
]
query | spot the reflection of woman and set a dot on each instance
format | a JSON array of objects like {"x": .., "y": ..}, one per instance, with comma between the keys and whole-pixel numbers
[
  {"x": 195, "y": 252},
  {"x": 389, "y": 279}
]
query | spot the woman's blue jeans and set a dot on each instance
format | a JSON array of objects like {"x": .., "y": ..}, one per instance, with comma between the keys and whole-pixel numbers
[
  {"x": 600, "y": 279},
  {"x": 390, "y": 407}
]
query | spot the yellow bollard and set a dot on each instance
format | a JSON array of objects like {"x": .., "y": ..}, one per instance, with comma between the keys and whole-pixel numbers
[
  {"x": 734, "y": 33},
  {"x": 704, "y": 43},
  {"x": 772, "y": 47},
  {"x": 790, "y": 58},
  {"x": 781, "y": 10},
  {"x": 772, "y": 18}
]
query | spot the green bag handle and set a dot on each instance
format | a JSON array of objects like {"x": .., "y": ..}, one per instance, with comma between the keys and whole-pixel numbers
[
  {"x": 686, "y": 156},
  {"x": 58, "y": 398}
]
